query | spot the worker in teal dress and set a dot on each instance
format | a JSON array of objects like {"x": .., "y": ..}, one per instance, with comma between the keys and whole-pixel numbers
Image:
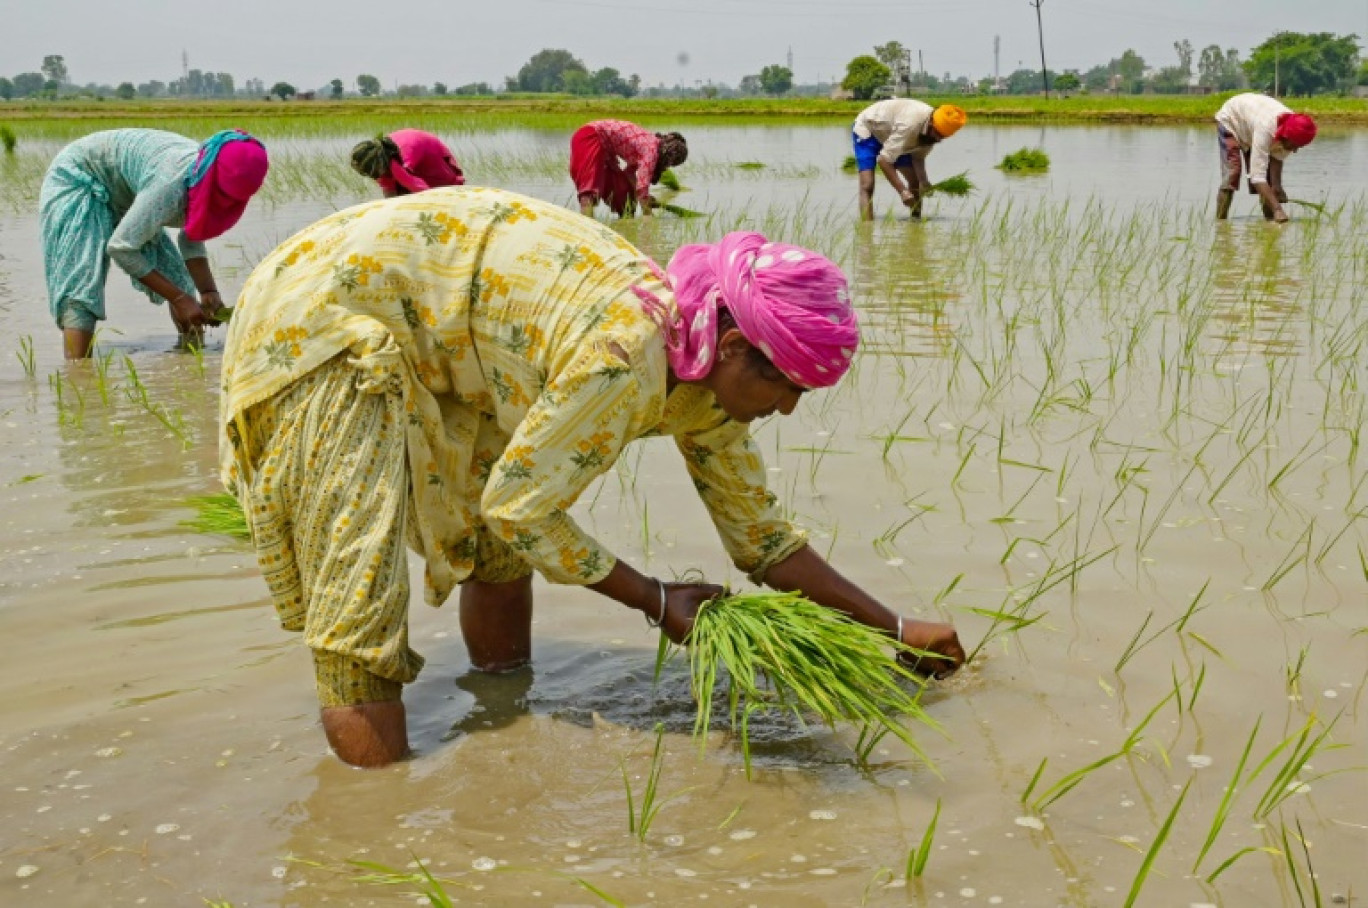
[{"x": 110, "y": 195}]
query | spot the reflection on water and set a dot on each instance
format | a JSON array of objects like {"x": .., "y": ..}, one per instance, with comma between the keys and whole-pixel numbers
[{"x": 1256, "y": 291}]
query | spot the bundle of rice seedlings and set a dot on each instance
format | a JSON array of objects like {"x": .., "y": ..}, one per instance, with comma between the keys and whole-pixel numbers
[
  {"x": 783, "y": 652},
  {"x": 670, "y": 181},
  {"x": 7, "y": 139},
  {"x": 680, "y": 211},
  {"x": 959, "y": 185},
  {"x": 224, "y": 315},
  {"x": 1026, "y": 160},
  {"x": 1318, "y": 207},
  {"x": 217, "y": 515}
]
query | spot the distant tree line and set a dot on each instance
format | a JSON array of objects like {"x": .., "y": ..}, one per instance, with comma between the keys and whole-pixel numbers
[{"x": 1287, "y": 63}]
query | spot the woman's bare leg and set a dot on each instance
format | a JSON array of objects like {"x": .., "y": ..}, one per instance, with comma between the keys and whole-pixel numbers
[{"x": 496, "y": 621}]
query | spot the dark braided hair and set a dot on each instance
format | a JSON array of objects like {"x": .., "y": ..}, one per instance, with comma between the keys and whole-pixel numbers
[
  {"x": 673, "y": 152},
  {"x": 372, "y": 157}
]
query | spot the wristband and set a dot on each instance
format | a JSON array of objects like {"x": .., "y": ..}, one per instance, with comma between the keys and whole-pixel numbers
[{"x": 661, "y": 620}]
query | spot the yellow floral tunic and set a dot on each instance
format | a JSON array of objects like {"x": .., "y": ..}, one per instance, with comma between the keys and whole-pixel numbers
[{"x": 526, "y": 364}]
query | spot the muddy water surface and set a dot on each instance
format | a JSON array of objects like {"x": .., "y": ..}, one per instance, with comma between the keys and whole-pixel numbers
[{"x": 1082, "y": 412}]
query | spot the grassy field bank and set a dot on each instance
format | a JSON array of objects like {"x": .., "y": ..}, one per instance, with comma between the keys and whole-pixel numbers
[{"x": 63, "y": 118}]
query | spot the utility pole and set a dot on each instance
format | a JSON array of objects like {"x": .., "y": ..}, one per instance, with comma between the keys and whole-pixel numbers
[
  {"x": 1277, "y": 40},
  {"x": 997, "y": 61},
  {"x": 1040, "y": 29}
]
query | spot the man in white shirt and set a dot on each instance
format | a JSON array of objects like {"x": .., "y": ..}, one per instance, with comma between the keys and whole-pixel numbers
[
  {"x": 1259, "y": 132},
  {"x": 896, "y": 136}
]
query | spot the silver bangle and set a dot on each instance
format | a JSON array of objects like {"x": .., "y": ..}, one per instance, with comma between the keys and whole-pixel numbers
[
  {"x": 661, "y": 620},
  {"x": 900, "y": 629}
]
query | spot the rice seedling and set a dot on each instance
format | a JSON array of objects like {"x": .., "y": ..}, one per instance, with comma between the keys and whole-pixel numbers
[
  {"x": 781, "y": 652},
  {"x": 25, "y": 356},
  {"x": 1071, "y": 780},
  {"x": 219, "y": 514},
  {"x": 1148, "y": 863},
  {"x": 750, "y": 165},
  {"x": 639, "y": 821},
  {"x": 917, "y": 857},
  {"x": 680, "y": 211},
  {"x": 1025, "y": 160},
  {"x": 1293, "y": 871},
  {"x": 669, "y": 180},
  {"x": 1178, "y": 623},
  {"x": 1318, "y": 207},
  {"x": 1285, "y": 782},
  {"x": 882, "y": 875},
  {"x": 422, "y": 880},
  {"x": 1227, "y": 801}
]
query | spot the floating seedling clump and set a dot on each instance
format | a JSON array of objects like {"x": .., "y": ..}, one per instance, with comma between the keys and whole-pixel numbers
[{"x": 1025, "y": 160}]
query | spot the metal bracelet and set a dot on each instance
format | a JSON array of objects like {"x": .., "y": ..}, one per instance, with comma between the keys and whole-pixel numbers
[{"x": 661, "y": 620}]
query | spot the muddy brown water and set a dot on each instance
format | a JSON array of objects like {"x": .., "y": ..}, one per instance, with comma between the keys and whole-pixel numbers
[{"x": 1069, "y": 371}]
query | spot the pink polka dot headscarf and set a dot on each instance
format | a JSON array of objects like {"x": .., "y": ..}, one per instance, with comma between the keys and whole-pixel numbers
[{"x": 791, "y": 303}]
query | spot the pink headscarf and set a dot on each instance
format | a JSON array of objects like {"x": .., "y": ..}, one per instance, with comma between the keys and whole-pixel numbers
[
  {"x": 230, "y": 169},
  {"x": 426, "y": 163},
  {"x": 789, "y": 302},
  {"x": 1295, "y": 129}
]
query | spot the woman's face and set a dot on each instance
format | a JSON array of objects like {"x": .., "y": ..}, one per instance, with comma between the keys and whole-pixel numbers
[{"x": 745, "y": 390}]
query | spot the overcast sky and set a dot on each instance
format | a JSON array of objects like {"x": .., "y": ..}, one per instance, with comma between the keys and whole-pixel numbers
[{"x": 665, "y": 41}]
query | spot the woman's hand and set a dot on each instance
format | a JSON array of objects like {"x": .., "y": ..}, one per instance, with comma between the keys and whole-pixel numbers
[
  {"x": 187, "y": 313},
  {"x": 682, "y": 602},
  {"x": 212, "y": 303},
  {"x": 932, "y": 637}
]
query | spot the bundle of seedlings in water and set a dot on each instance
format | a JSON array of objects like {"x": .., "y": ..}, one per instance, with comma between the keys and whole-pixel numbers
[
  {"x": 680, "y": 211},
  {"x": 781, "y": 652},
  {"x": 217, "y": 515},
  {"x": 670, "y": 181},
  {"x": 1025, "y": 160},
  {"x": 959, "y": 186}
]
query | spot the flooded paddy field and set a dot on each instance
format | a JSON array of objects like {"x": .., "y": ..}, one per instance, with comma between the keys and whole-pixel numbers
[{"x": 1116, "y": 443}]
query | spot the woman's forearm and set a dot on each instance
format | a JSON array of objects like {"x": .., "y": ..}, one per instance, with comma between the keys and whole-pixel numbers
[
  {"x": 201, "y": 275},
  {"x": 161, "y": 285},
  {"x": 808, "y": 573}
]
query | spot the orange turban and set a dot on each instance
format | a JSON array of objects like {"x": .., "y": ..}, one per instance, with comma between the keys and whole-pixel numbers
[{"x": 947, "y": 119}]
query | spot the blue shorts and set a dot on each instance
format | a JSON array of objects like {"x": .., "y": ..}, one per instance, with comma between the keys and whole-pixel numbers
[{"x": 867, "y": 153}]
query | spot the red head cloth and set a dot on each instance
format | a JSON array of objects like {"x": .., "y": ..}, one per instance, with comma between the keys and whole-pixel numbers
[
  {"x": 1296, "y": 129},
  {"x": 219, "y": 195},
  {"x": 426, "y": 163},
  {"x": 791, "y": 303}
]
